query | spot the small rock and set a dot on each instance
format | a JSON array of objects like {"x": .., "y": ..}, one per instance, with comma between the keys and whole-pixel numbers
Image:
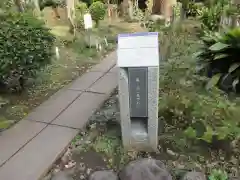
[
  {"x": 70, "y": 164},
  {"x": 156, "y": 17},
  {"x": 171, "y": 153},
  {"x": 56, "y": 169},
  {"x": 194, "y": 176},
  {"x": 93, "y": 41},
  {"x": 66, "y": 157},
  {"x": 88, "y": 142},
  {"x": 61, "y": 175},
  {"x": 103, "y": 175},
  {"x": 47, "y": 177},
  {"x": 82, "y": 177},
  {"x": 82, "y": 167},
  {"x": 180, "y": 166},
  {"x": 145, "y": 169},
  {"x": 88, "y": 171}
]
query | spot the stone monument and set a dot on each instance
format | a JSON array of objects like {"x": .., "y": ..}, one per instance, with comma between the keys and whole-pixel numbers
[{"x": 138, "y": 62}]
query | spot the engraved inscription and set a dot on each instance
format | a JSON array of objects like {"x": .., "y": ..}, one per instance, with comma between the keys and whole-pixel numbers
[{"x": 138, "y": 92}]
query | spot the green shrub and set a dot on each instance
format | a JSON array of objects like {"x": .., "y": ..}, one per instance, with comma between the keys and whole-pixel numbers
[
  {"x": 219, "y": 59},
  {"x": 88, "y": 2},
  {"x": 138, "y": 14},
  {"x": 231, "y": 10},
  {"x": 25, "y": 47},
  {"x": 81, "y": 9},
  {"x": 50, "y": 3},
  {"x": 103, "y": 1},
  {"x": 177, "y": 10},
  {"x": 79, "y": 21},
  {"x": 185, "y": 107},
  {"x": 155, "y": 25},
  {"x": 5, "y": 4},
  {"x": 194, "y": 9},
  {"x": 211, "y": 17},
  {"x": 98, "y": 11},
  {"x": 211, "y": 3},
  {"x": 217, "y": 174}
]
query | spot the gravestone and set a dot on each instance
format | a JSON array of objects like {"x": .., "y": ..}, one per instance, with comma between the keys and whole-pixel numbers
[{"x": 138, "y": 62}]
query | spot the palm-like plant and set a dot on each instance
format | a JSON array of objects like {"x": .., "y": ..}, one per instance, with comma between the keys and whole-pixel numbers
[{"x": 219, "y": 59}]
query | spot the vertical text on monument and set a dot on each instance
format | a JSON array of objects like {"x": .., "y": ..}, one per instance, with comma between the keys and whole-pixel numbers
[{"x": 138, "y": 91}]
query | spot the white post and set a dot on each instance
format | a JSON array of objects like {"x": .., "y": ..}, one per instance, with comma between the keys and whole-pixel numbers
[{"x": 88, "y": 25}]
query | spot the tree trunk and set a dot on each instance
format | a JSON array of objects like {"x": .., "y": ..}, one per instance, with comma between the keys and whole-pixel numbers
[
  {"x": 236, "y": 1},
  {"x": 55, "y": 10},
  {"x": 157, "y": 7},
  {"x": 164, "y": 7},
  {"x": 37, "y": 7},
  {"x": 126, "y": 9},
  {"x": 70, "y": 8},
  {"x": 19, "y": 5},
  {"x": 234, "y": 21}
]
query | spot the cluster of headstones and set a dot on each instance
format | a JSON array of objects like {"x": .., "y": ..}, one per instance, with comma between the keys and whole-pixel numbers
[{"x": 144, "y": 169}]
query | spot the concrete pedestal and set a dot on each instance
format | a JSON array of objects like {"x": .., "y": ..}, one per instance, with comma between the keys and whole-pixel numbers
[{"x": 139, "y": 132}]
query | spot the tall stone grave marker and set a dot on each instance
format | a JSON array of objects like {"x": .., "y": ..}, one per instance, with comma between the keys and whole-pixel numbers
[{"x": 138, "y": 62}]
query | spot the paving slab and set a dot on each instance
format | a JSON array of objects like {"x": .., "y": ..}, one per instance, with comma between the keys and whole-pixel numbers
[
  {"x": 78, "y": 113},
  {"x": 85, "y": 81},
  {"x": 105, "y": 84},
  {"x": 114, "y": 69},
  {"x": 51, "y": 108},
  {"x": 32, "y": 162},
  {"x": 106, "y": 64},
  {"x": 16, "y": 137}
]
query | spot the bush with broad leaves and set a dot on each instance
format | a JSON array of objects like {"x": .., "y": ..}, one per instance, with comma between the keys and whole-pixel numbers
[
  {"x": 219, "y": 59},
  {"x": 25, "y": 47}
]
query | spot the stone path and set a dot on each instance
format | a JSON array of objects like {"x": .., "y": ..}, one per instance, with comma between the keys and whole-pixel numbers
[{"x": 28, "y": 149}]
